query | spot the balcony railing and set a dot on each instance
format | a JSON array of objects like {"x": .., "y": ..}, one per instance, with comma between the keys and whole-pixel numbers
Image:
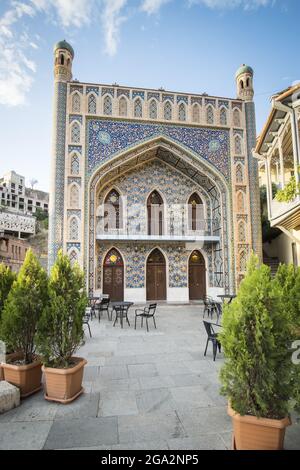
[{"x": 159, "y": 229}]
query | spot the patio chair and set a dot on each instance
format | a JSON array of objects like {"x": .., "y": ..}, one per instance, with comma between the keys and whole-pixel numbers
[
  {"x": 92, "y": 305},
  {"x": 213, "y": 337},
  {"x": 146, "y": 312},
  {"x": 102, "y": 306},
  {"x": 86, "y": 319},
  {"x": 121, "y": 313}
]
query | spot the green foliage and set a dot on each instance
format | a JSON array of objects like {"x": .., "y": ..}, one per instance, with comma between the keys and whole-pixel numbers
[
  {"x": 257, "y": 338},
  {"x": 60, "y": 327},
  {"x": 268, "y": 233},
  {"x": 23, "y": 308},
  {"x": 7, "y": 277},
  {"x": 289, "y": 192}
]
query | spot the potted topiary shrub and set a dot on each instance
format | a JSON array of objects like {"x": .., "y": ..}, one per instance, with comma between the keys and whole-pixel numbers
[
  {"x": 22, "y": 310},
  {"x": 7, "y": 277},
  {"x": 257, "y": 376},
  {"x": 60, "y": 332}
]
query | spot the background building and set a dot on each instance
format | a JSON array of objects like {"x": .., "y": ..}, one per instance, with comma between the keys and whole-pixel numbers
[
  {"x": 16, "y": 196},
  {"x": 155, "y": 193},
  {"x": 278, "y": 149}
]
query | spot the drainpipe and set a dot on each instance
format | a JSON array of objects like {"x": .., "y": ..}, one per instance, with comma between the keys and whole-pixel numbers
[{"x": 286, "y": 109}]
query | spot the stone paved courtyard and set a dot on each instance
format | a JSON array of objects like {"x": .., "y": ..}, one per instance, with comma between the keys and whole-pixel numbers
[{"x": 143, "y": 390}]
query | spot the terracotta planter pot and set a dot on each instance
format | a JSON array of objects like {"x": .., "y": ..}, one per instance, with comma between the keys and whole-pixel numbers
[
  {"x": 27, "y": 378},
  {"x": 252, "y": 433},
  {"x": 9, "y": 357},
  {"x": 64, "y": 385}
]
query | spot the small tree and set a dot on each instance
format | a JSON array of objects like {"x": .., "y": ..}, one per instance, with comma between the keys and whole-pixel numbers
[
  {"x": 256, "y": 337},
  {"x": 23, "y": 308},
  {"x": 7, "y": 277},
  {"x": 60, "y": 327}
]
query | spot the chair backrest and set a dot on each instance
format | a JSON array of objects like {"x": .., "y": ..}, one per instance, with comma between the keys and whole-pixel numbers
[
  {"x": 104, "y": 301},
  {"x": 209, "y": 329},
  {"x": 105, "y": 296},
  {"x": 152, "y": 309}
]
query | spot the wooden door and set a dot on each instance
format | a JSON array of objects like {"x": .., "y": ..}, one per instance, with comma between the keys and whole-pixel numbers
[
  {"x": 156, "y": 276},
  {"x": 197, "y": 276},
  {"x": 113, "y": 276}
]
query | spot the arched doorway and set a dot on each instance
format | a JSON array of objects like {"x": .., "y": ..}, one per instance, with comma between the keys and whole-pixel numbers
[
  {"x": 156, "y": 276},
  {"x": 155, "y": 211},
  {"x": 197, "y": 276},
  {"x": 196, "y": 212},
  {"x": 113, "y": 275}
]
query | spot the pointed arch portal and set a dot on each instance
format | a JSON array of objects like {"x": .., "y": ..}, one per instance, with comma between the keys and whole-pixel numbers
[
  {"x": 113, "y": 275},
  {"x": 156, "y": 276},
  {"x": 197, "y": 276}
]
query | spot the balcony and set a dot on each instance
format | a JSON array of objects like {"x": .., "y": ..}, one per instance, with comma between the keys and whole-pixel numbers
[
  {"x": 136, "y": 229},
  {"x": 285, "y": 214}
]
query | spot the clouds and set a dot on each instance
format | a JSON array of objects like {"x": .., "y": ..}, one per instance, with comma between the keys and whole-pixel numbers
[{"x": 17, "y": 48}]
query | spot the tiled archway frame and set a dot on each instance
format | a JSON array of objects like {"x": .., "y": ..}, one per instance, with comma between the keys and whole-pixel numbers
[{"x": 203, "y": 172}]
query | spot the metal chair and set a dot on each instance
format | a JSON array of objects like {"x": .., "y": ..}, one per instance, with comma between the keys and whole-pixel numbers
[
  {"x": 86, "y": 319},
  {"x": 92, "y": 304},
  {"x": 213, "y": 337},
  {"x": 103, "y": 307},
  {"x": 147, "y": 312},
  {"x": 121, "y": 312}
]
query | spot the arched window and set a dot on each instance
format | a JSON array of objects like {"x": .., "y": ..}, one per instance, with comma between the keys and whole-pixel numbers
[
  {"x": 92, "y": 104},
  {"x": 237, "y": 145},
  {"x": 62, "y": 59},
  {"x": 75, "y": 164},
  {"x": 168, "y": 111},
  {"x": 153, "y": 109},
  {"x": 242, "y": 232},
  {"x": 75, "y": 133},
  {"x": 236, "y": 118},
  {"x": 248, "y": 82},
  {"x": 68, "y": 62},
  {"x": 73, "y": 229},
  {"x": 242, "y": 84},
  {"x": 209, "y": 115},
  {"x": 138, "y": 108},
  {"x": 73, "y": 256},
  {"x": 181, "y": 112},
  {"x": 196, "y": 113},
  {"x": 76, "y": 103},
  {"x": 112, "y": 211},
  {"x": 239, "y": 173},
  {"x": 223, "y": 117},
  {"x": 155, "y": 210},
  {"x": 196, "y": 212},
  {"x": 107, "y": 106},
  {"x": 240, "y": 202},
  {"x": 74, "y": 196},
  {"x": 243, "y": 261},
  {"x": 122, "y": 106}
]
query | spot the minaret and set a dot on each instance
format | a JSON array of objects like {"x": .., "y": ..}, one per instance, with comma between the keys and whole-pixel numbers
[
  {"x": 245, "y": 92},
  {"x": 63, "y": 58}
]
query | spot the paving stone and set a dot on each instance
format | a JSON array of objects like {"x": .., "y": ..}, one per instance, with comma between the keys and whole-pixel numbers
[
  {"x": 118, "y": 384},
  {"x": 157, "y": 381},
  {"x": 185, "y": 380},
  {"x": 24, "y": 436},
  {"x": 142, "y": 370},
  {"x": 82, "y": 433},
  {"x": 188, "y": 398},
  {"x": 172, "y": 368},
  {"x": 201, "y": 442},
  {"x": 155, "y": 400},
  {"x": 85, "y": 406},
  {"x": 117, "y": 403},
  {"x": 9, "y": 396},
  {"x": 34, "y": 408},
  {"x": 149, "y": 427},
  {"x": 204, "y": 420},
  {"x": 91, "y": 372},
  {"x": 114, "y": 372}
]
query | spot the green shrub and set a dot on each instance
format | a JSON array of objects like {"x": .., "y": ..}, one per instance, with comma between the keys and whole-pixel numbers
[
  {"x": 7, "y": 277},
  {"x": 256, "y": 337},
  {"x": 23, "y": 308},
  {"x": 60, "y": 330}
]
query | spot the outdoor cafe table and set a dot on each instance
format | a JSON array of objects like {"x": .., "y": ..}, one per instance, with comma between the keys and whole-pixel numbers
[
  {"x": 228, "y": 297},
  {"x": 117, "y": 304}
]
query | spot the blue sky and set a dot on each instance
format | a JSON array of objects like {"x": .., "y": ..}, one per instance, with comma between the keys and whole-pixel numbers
[{"x": 182, "y": 45}]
